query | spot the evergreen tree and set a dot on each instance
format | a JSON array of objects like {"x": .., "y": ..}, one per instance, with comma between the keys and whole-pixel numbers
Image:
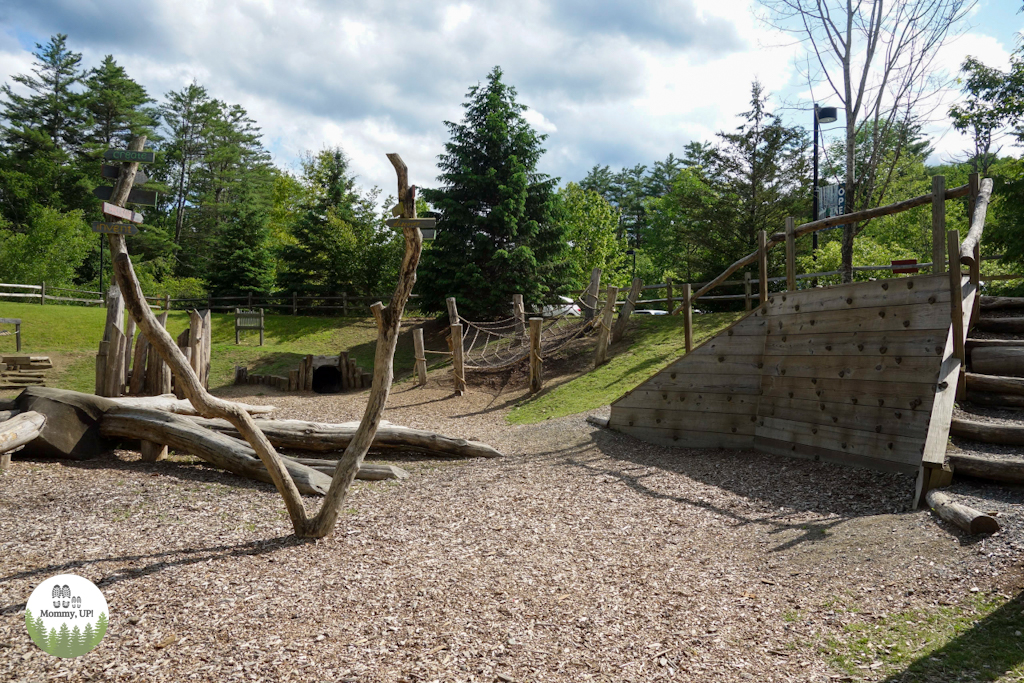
[
  {"x": 496, "y": 233},
  {"x": 242, "y": 261},
  {"x": 117, "y": 106},
  {"x": 101, "y": 629},
  {"x": 76, "y": 644},
  {"x": 88, "y": 638},
  {"x": 52, "y": 108},
  {"x": 52, "y": 642},
  {"x": 35, "y": 629},
  {"x": 63, "y": 648},
  {"x": 187, "y": 115}
]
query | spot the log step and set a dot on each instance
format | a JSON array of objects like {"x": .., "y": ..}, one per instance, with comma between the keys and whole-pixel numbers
[
  {"x": 1001, "y": 325},
  {"x": 971, "y": 343},
  {"x": 993, "y": 303},
  {"x": 990, "y": 400},
  {"x": 987, "y": 432},
  {"x": 1007, "y": 361},
  {"x": 995, "y": 384},
  {"x": 1004, "y": 469}
]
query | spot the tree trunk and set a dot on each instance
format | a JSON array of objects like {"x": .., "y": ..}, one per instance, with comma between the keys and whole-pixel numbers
[{"x": 322, "y": 437}]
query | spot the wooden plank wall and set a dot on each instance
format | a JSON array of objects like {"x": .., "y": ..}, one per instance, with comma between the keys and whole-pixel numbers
[
  {"x": 844, "y": 374},
  {"x": 706, "y": 399}
]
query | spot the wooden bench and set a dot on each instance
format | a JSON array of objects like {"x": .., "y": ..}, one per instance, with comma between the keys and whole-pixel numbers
[
  {"x": 248, "y": 320},
  {"x": 17, "y": 331}
]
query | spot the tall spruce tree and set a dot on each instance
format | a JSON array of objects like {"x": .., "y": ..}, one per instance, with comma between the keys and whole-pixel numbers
[
  {"x": 241, "y": 260},
  {"x": 117, "y": 106},
  {"x": 496, "y": 231}
]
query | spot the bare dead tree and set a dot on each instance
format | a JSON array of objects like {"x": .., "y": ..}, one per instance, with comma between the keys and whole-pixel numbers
[
  {"x": 389, "y": 323},
  {"x": 878, "y": 58}
]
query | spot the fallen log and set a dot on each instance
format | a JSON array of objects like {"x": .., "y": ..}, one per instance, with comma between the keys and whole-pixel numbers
[
  {"x": 990, "y": 400},
  {"x": 994, "y": 384},
  {"x": 987, "y": 432},
  {"x": 367, "y": 471},
  {"x": 1007, "y": 361},
  {"x": 1003, "y": 469},
  {"x": 967, "y": 518},
  {"x": 325, "y": 437},
  {"x": 8, "y": 414},
  {"x": 18, "y": 431},
  {"x": 72, "y": 423},
  {"x": 994, "y": 303},
  {"x": 218, "y": 449},
  {"x": 1001, "y": 325},
  {"x": 169, "y": 404}
]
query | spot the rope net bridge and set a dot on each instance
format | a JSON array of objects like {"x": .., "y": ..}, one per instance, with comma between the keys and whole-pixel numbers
[{"x": 503, "y": 343}]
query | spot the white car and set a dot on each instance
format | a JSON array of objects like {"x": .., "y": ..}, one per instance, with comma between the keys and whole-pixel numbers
[
  {"x": 644, "y": 311},
  {"x": 566, "y": 306}
]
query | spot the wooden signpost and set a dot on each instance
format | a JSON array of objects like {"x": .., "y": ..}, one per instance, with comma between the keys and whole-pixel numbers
[
  {"x": 135, "y": 195},
  {"x": 114, "y": 211},
  {"x": 142, "y": 156},
  {"x": 426, "y": 225},
  {"x": 114, "y": 228},
  {"x": 111, "y": 172}
]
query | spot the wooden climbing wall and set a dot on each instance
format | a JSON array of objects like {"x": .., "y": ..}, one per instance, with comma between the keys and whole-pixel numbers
[{"x": 844, "y": 374}]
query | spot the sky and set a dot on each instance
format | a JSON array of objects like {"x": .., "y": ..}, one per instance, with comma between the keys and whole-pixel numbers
[{"x": 610, "y": 83}]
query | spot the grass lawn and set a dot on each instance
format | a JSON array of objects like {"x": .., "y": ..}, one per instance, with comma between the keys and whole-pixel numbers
[
  {"x": 70, "y": 335},
  {"x": 650, "y": 344}
]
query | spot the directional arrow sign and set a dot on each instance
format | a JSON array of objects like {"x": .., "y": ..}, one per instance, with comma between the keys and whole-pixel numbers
[
  {"x": 426, "y": 225},
  {"x": 113, "y": 172},
  {"x": 128, "y": 155},
  {"x": 135, "y": 195},
  {"x": 115, "y": 228},
  {"x": 114, "y": 211}
]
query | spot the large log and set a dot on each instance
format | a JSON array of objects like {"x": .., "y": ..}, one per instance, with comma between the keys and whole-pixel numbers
[
  {"x": 218, "y": 449},
  {"x": 998, "y": 385},
  {"x": 1004, "y": 469},
  {"x": 1001, "y": 325},
  {"x": 325, "y": 437},
  {"x": 72, "y": 423},
  {"x": 367, "y": 471},
  {"x": 993, "y": 303},
  {"x": 967, "y": 518},
  {"x": 983, "y": 398},
  {"x": 1007, "y": 361},
  {"x": 169, "y": 404},
  {"x": 987, "y": 432},
  {"x": 18, "y": 431}
]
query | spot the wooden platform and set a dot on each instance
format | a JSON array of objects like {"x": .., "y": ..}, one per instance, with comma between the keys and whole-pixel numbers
[{"x": 847, "y": 374}]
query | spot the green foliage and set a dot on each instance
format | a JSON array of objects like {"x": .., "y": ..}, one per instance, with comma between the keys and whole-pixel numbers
[
  {"x": 497, "y": 232},
  {"x": 590, "y": 224},
  {"x": 339, "y": 242},
  {"x": 50, "y": 247},
  {"x": 242, "y": 261},
  {"x": 116, "y": 105}
]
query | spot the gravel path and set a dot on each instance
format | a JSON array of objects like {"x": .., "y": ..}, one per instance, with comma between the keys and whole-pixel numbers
[{"x": 584, "y": 555}]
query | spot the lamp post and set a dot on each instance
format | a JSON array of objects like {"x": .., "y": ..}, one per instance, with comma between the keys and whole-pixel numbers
[
  {"x": 821, "y": 115},
  {"x": 632, "y": 252}
]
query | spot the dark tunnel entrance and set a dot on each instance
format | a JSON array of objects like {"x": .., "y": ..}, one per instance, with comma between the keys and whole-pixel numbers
[{"x": 327, "y": 380}]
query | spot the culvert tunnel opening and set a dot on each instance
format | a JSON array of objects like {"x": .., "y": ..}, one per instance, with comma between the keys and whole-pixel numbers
[{"x": 327, "y": 380}]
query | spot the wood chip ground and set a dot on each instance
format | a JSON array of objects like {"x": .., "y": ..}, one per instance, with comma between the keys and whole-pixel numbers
[{"x": 584, "y": 555}]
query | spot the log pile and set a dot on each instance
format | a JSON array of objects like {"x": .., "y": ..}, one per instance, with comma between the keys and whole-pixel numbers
[
  {"x": 18, "y": 372},
  {"x": 80, "y": 426}
]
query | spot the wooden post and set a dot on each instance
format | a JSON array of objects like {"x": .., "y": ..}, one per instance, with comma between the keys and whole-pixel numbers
[
  {"x": 762, "y": 265},
  {"x": 195, "y": 342},
  {"x": 747, "y": 290},
  {"x": 519, "y": 313},
  {"x": 17, "y": 337},
  {"x": 688, "y": 317},
  {"x": 974, "y": 182},
  {"x": 453, "y": 311},
  {"x": 976, "y": 280},
  {"x": 101, "y": 368},
  {"x": 167, "y": 302},
  {"x": 604, "y": 335},
  {"x": 627, "y": 309},
  {"x": 250, "y": 300},
  {"x": 238, "y": 311},
  {"x": 939, "y": 225},
  {"x": 536, "y": 361},
  {"x": 668, "y": 295},
  {"x": 308, "y": 384},
  {"x": 590, "y": 295},
  {"x": 129, "y": 339},
  {"x": 295, "y": 303},
  {"x": 957, "y": 308},
  {"x": 419, "y": 351},
  {"x": 261, "y": 324},
  {"x": 42, "y": 294},
  {"x": 344, "y": 303},
  {"x": 377, "y": 309},
  {"x": 458, "y": 365},
  {"x": 790, "y": 254}
]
